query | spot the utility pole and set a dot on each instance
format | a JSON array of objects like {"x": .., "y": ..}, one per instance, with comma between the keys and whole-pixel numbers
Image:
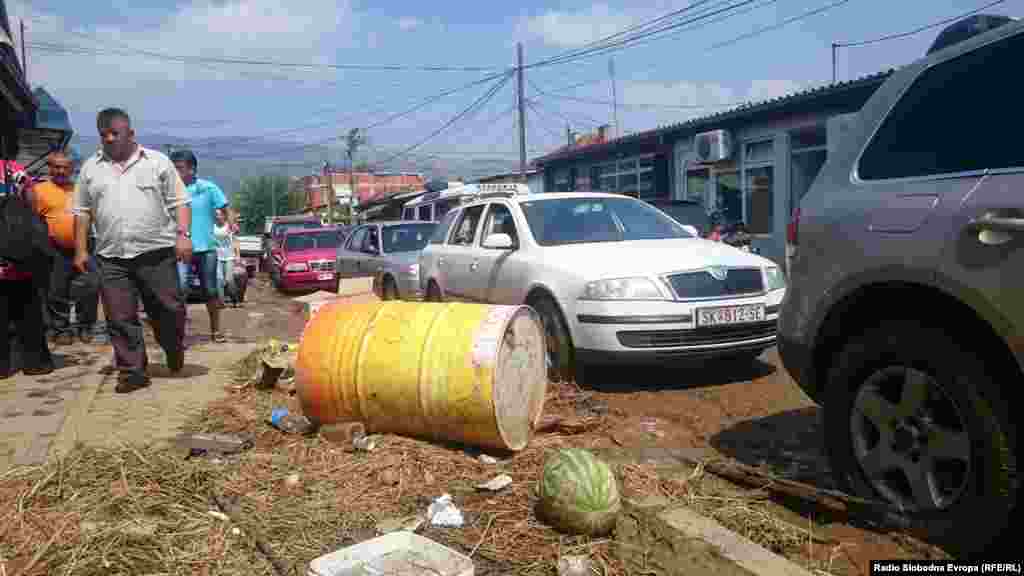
[
  {"x": 273, "y": 199},
  {"x": 355, "y": 138},
  {"x": 834, "y": 46},
  {"x": 568, "y": 135},
  {"x": 329, "y": 191},
  {"x": 522, "y": 113},
  {"x": 615, "y": 99},
  {"x": 24, "y": 59}
]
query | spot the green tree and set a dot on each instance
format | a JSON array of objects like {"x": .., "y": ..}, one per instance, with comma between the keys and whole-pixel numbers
[{"x": 257, "y": 198}]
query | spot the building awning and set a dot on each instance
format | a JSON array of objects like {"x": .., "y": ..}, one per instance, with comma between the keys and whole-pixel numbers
[
  {"x": 13, "y": 87},
  {"x": 51, "y": 131}
]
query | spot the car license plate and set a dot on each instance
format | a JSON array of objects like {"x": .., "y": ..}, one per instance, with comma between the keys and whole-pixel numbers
[
  {"x": 725, "y": 315},
  {"x": 325, "y": 276}
]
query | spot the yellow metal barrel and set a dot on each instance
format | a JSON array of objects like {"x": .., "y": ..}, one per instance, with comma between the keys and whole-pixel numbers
[{"x": 471, "y": 373}]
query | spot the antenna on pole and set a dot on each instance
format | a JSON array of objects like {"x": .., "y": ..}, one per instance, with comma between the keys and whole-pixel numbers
[
  {"x": 615, "y": 100},
  {"x": 834, "y": 46},
  {"x": 522, "y": 113}
]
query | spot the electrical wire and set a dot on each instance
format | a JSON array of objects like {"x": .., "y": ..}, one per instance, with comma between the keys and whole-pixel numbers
[
  {"x": 75, "y": 49},
  {"x": 917, "y": 30},
  {"x": 622, "y": 44},
  {"x": 778, "y": 25},
  {"x": 673, "y": 33},
  {"x": 471, "y": 109},
  {"x": 543, "y": 125},
  {"x": 422, "y": 104},
  {"x": 634, "y": 28},
  {"x": 745, "y": 36}
]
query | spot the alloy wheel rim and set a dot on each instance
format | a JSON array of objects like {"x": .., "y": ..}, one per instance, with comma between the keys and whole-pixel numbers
[{"x": 910, "y": 439}]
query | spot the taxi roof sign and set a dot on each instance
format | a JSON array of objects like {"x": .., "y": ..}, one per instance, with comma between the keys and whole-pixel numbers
[{"x": 513, "y": 188}]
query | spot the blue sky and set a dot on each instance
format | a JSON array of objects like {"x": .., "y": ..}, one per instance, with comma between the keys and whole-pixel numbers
[{"x": 199, "y": 102}]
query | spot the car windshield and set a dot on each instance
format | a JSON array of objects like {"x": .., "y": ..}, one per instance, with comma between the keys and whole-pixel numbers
[
  {"x": 309, "y": 224},
  {"x": 312, "y": 240},
  {"x": 407, "y": 237},
  {"x": 558, "y": 221}
]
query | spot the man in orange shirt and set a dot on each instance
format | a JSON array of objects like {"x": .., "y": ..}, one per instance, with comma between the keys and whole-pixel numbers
[{"x": 53, "y": 200}]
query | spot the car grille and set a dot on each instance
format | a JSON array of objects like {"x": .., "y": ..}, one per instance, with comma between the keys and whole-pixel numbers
[
  {"x": 321, "y": 266},
  {"x": 698, "y": 336},
  {"x": 701, "y": 284}
]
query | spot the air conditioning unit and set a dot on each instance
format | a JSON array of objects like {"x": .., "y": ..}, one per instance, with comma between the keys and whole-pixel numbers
[{"x": 712, "y": 146}]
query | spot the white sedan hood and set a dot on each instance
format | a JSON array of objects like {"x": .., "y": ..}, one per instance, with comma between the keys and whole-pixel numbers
[{"x": 647, "y": 257}]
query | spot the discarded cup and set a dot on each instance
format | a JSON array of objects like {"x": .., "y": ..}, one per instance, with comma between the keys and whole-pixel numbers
[{"x": 281, "y": 419}]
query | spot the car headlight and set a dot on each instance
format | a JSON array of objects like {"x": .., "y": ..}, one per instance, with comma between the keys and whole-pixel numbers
[
  {"x": 296, "y": 267},
  {"x": 774, "y": 279},
  {"x": 622, "y": 289}
]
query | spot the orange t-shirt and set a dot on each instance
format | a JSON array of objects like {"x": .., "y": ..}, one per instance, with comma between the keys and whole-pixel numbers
[{"x": 53, "y": 203}]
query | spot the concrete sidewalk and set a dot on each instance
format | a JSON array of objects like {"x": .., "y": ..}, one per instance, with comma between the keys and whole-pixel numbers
[{"x": 45, "y": 415}]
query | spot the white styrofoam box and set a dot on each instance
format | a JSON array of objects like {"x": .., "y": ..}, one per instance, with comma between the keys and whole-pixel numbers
[{"x": 399, "y": 553}]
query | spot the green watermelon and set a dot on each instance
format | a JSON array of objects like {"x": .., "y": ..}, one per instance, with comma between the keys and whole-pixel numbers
[{"x": 578, "y": 493}]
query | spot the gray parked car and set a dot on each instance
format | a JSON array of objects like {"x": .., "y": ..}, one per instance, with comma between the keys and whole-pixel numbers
[
  {"x": 904, "y": 316},
  {"x": 388, "y": 251}
]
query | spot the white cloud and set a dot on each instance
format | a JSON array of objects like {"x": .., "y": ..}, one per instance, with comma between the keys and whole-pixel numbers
[
  {"x": 567, "y": 29},
  {"x": 408, "y": 23},
  {"x": 310, "y": 31}
]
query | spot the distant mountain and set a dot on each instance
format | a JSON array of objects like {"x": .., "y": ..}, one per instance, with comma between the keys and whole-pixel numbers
[{"x": 276, "y": 157}]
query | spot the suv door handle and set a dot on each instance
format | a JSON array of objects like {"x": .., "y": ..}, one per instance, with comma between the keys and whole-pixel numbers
[
  {"x": 440, "y": 260},
  {"x": 474, "y": 265},
  {"x": 997, "y": 223}
]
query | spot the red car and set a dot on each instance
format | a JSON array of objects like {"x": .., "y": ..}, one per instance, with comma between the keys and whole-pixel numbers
[{"x": 304, "y": 260}]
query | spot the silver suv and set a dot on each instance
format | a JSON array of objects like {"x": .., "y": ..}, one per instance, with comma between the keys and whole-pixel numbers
[{"x": 905, "y": 313}]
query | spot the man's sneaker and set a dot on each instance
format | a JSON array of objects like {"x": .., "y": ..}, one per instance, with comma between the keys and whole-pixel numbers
[{"x": 131, "y": 382}]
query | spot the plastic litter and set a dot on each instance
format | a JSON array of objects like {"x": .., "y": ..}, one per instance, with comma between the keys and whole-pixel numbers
[
  {"x": 281, "y": 419},
  {"x": 496, "y": 484},
  {"x": 442, "y": 512}
]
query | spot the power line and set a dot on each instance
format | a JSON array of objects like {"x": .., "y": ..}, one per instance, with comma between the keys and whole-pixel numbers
[
  {"x": 633, "y": 28},
  {"x": 745, "y": 36},
  {"x": 544, "y": 126},
  {"x": 621, "y": 44},
  {"x": 778, "y": 25},
  {"x": 672, "y": 33},
  {"x": 422, "y": 104},
  {"x": 916, "y": 30},
  {"x": 75, "y": 49},
  {"x": 472, "y": 108}
]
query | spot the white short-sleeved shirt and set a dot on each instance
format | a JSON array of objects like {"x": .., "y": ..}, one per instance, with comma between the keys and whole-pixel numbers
[{"x": 132, "y": 206}]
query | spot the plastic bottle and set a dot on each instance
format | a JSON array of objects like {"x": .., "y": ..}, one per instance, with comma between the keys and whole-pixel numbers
[{"x": 281, "y": 419}]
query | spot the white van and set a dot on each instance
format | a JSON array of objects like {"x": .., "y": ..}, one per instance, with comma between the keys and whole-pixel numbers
[{"x": 432, "y": 206}]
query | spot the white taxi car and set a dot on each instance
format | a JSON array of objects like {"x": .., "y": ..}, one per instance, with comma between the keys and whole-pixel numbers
[{"x": 613, "y": 278}]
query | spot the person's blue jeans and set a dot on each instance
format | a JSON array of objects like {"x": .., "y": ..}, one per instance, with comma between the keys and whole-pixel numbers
[{"x": 207, "y": 264}]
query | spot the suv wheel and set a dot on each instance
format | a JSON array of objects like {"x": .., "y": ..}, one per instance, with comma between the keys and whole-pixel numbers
[
  {"x": 914, "y": 417},
  {"x": 558, "y": 342}
]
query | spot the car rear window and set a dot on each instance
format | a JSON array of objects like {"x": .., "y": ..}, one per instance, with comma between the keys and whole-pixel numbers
[
  {"x": 407, "y": 237},
  {"x": 313, "y": 240}
]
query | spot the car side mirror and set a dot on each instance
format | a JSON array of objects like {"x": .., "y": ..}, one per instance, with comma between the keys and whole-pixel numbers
[{"x": 499, "y": 242}]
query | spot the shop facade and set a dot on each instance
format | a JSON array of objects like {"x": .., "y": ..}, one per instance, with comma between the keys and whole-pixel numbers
[{"x": 748, "y": 165}]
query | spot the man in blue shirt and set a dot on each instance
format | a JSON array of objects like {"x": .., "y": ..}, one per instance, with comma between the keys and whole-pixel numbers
[{"x": 207, "y": 198}]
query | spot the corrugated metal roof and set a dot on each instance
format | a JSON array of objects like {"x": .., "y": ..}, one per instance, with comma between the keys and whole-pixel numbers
[{"x": 733, "y": 114}]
